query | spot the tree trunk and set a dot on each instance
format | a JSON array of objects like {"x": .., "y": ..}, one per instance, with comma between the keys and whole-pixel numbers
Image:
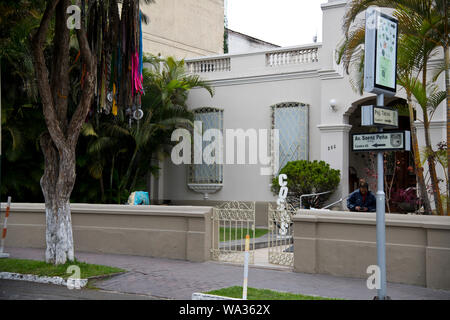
[
  {"x": 59, "y": 237},
  {"x": 57, "y": 184},
  {"x": 429, "y": 148},
  {"x": 59, "y": 143},
  {"x": 432, "y": 167},
  {"x": 417, "y": 163}
]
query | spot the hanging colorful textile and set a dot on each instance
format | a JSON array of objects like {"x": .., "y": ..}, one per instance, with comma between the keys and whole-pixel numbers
[{"x": 116, "y": 41}]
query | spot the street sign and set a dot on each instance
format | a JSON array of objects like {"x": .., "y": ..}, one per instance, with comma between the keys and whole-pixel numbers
[
  {"x": 380, "y": 57},
  {"x": 379, "y": 116},
  {"x": 381, "y": 141}
]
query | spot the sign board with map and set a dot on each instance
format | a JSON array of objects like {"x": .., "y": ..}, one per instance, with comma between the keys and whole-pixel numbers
[{"x": 380, "y": 62}]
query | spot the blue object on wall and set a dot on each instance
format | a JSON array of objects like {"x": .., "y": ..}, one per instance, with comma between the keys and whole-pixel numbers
[{"x": 139, "y": 198}]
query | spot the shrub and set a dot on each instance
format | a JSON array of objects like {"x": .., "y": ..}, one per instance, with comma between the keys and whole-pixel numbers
[{"x": 304, "y": 177}]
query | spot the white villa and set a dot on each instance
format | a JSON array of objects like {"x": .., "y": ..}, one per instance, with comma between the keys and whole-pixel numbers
[{"x": 302, "y": 92}]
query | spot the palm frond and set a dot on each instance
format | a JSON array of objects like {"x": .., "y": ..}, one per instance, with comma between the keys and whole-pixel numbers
[
  {"x": 101, "y": 145},
  {"x": 88, "y": 130},
  {"x": 436, "y": 98}
]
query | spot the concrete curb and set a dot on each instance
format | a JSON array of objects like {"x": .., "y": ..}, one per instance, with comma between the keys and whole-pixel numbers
[
  {"x": 204, "y": 296},
  {"x": 74, "y": 283}
]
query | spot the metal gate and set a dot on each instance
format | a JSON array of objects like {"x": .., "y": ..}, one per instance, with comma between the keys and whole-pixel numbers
[
  {"x": 281, "y": 235},
  {"x": 232, "y": 221}
]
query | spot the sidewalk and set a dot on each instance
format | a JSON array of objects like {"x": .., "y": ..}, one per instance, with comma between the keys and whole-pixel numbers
[{"x": 177, "y": 279}]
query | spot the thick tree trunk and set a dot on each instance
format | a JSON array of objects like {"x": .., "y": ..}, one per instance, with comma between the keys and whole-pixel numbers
[
  {"x": 59, "y": 143},
  {"x": 57, "y": 184},
  {"x": 59, "y": 236}
]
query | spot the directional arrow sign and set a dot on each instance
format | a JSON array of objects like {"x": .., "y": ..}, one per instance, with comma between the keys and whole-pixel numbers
[
  {"x": 381, "y": 141},
  {"x": 379, "y": 116},
  {"x": 376, "y": 145}
]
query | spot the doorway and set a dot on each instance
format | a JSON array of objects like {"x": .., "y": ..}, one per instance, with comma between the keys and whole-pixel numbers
[{"x": 399, "y": 165}]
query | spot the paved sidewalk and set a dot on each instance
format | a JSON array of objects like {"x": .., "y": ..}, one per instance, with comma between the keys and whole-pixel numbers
[
  {"x": 176, "y": 279},
  {"x": 23, "y": 290}
]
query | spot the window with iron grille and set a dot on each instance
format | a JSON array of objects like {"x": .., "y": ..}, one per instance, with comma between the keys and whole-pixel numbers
[
  {"x": 291, "y": 119},
  {"x": 211, "y": 118}
]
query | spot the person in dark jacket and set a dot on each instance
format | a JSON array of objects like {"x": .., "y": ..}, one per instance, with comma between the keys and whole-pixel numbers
[{"x": 362, "y": 200}]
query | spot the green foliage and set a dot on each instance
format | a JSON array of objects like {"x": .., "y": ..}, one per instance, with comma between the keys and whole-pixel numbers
[
  {"x": 305, "y": 177},
  {"x": 41, "y": 268},
  {"x": 22, "y": 162},
  {"x": 230, "y": 234},
  {"x": 114, "y": 158}
]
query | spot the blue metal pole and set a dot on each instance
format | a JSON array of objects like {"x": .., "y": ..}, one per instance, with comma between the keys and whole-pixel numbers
[{"x": 381, "y": 229}]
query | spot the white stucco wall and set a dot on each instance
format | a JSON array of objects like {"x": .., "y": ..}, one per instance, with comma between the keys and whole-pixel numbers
[
  {"x": 246, "y": 88},
  {"x": 246, "y": 106}
]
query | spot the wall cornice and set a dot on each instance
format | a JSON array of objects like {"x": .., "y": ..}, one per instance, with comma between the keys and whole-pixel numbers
[
  {"x": 333, "y": 4},
  {"x": 334, "y": 127},
  {"x": 239, "y": 80},
  {"x": 436, "y": 124}
]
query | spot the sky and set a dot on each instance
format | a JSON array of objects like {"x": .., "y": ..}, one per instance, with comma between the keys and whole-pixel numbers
[{"x": 281, "y": 22}]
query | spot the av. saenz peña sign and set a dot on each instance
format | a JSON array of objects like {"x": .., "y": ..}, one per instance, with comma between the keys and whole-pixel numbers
[{"x": 381, "y": 141}]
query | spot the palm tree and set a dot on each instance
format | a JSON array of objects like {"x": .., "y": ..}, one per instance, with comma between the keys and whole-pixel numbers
[
  {"x": 426, "y": 22},
  {"x": 351, "y": 55}
]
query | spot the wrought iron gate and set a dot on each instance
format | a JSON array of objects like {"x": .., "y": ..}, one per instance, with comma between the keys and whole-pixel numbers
[
  {"x": 281, "y": 235},
  {"x": 232, "y": 221}
]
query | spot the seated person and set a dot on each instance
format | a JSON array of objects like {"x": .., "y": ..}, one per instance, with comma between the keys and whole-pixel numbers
[{"x": 362, "y": 199}]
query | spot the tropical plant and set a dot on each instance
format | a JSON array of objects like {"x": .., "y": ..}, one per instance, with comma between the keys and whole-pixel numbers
[
  {"x": 306, "y": 177},
  {"x": 22, "y": 164},
  {"x": 21, "y": 114},
  {"x": 17, "y": 19},
  {"x": 440, "y": 156},
  {"x": 119, "y": 155},
  {"x": 423, "y": 27}
]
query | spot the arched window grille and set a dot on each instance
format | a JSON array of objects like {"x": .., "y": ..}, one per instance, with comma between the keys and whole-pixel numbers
[{"x": 211, "y": 118}]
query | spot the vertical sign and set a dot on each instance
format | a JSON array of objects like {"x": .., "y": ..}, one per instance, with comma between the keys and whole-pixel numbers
[{"x": 380, "y": 60}]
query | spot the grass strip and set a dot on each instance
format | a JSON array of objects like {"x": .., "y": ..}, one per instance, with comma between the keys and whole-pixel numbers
[
  {"x": 239, "y": 233},
  {"x": 263, "y": 294},
  {"x": 41, "y": 268}
]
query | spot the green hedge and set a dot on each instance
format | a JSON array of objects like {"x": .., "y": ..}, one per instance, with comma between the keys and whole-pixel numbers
[{"x": 304, "y": 177}]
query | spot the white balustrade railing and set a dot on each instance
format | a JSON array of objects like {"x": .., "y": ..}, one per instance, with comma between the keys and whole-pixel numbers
[
  {"x": 254, "y": 60},
  {"x": 209, "y": 65},
  {"x": 292, "y": 56}
]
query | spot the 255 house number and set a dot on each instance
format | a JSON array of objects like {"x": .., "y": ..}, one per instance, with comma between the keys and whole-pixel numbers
[{"x": 332, "y": 147}]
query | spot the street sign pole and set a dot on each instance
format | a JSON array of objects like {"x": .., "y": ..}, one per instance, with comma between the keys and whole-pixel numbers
[{"x": 381, "y": 228}]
